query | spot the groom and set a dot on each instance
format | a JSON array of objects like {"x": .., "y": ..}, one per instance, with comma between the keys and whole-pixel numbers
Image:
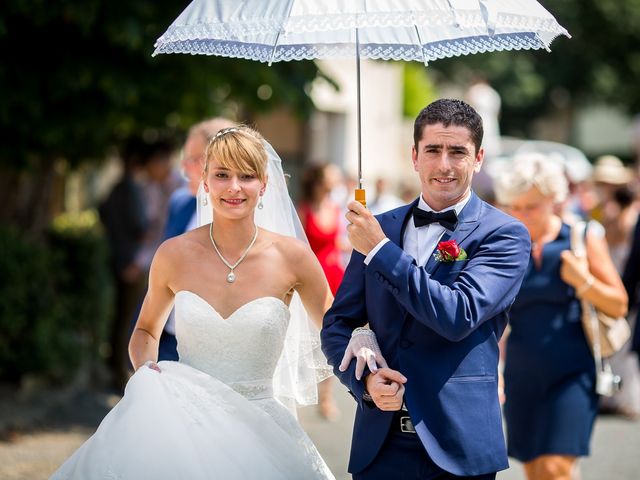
[{"x": 436, "y": 289}]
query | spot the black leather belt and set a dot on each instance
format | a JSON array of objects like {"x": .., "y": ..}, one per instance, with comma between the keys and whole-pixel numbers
[{"x": 402, "y": 422}]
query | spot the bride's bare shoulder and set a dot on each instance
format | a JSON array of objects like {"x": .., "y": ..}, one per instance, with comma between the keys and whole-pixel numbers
[
  {"x": 292, "y": 249},
  {"x": 182, "y": 246}
]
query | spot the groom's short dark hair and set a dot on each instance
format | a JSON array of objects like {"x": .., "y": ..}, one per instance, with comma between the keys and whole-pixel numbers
[{"x": 448, "y": 111}]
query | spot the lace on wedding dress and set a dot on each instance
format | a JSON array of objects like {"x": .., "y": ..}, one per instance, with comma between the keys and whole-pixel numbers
[{"x": 243, "y": 351}]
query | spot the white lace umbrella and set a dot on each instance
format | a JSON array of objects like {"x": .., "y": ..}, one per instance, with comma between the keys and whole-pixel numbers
[{"x": 422, "y": 30}]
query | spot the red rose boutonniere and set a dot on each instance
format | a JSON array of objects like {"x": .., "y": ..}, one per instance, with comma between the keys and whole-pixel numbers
[{"x": 450, "y": 251}]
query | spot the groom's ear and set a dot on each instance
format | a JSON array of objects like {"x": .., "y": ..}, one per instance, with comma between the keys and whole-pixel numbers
[
  {"x": 414, "y": 157},
  {"x": 479, "y": 160}
]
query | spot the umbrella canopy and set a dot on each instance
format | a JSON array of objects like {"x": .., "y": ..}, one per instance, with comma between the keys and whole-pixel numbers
[{"x": 422, "y": 30}]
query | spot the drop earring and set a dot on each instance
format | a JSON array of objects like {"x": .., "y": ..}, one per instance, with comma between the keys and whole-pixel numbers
[
  {"x": 260, "y": 205},
  {"x": 204, "y": 199}
]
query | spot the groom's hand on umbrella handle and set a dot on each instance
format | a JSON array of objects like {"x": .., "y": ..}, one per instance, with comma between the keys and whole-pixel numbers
[
  {"x": 363, "y": 230},
  {"x": 386, "y": 388},
  {"x": 363, "y": 346}
]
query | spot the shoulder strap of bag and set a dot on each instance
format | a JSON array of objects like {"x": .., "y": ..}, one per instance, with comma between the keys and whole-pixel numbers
[
  {"x": 578, "y": 247},
  {"x": 578, "y": 234}
]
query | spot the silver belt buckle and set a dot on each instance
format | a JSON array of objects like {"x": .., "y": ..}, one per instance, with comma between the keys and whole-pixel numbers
[{"x": 406, "y": 425}]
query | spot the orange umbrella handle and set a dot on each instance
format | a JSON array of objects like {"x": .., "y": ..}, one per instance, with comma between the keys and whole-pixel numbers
[{"x": 360, "y": 196}]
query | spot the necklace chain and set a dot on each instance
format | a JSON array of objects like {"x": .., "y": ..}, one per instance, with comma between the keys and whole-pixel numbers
[{"x": 231, "y": 277}]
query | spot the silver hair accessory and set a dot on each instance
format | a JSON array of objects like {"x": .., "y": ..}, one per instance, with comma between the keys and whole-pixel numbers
[
  {"x": 231, "y": 277},
  {"x": 224, "y": 131}
]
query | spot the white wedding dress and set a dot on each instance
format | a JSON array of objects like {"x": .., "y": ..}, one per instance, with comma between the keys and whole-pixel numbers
[{"x": 210, "y": 416}]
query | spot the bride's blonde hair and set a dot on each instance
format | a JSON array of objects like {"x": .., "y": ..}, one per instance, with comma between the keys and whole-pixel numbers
[{"x": 238, "y": 148}]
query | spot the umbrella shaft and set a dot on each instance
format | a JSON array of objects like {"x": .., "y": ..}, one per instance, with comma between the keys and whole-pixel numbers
[{"x": 359, "y": 119}]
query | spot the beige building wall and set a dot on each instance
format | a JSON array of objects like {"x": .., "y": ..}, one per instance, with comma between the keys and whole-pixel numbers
[{"x": 386, "y": 139}]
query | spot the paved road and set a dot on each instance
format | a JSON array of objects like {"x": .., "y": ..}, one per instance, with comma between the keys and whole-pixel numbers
[
  {"x": 35, "y": 455},
  {"x": 615, "y": 446}
]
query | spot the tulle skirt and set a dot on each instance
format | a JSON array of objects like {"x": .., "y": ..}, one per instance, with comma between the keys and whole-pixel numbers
[{"x": 185, "y": 424}]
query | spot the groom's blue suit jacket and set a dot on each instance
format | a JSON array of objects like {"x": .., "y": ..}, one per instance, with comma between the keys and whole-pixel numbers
[{"x": 439, "y": 325}]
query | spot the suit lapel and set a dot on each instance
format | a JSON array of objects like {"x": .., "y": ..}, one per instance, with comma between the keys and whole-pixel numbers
[
  {"x": 467, "y": 223},
  {"x": 394, "y": 228}
]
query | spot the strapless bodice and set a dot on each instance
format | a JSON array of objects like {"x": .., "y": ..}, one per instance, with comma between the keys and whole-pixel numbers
[{"x": 242, "y": 350}]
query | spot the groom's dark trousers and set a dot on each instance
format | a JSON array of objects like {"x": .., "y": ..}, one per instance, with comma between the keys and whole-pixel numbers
[
  {"x": 439, "y": 325},
  {"x": 404, "y": 457}
]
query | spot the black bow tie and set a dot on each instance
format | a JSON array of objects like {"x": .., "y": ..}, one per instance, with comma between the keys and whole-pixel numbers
[{"x": 448, "y": 219}]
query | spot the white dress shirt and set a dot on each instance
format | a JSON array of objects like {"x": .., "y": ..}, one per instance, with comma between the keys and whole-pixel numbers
[{"x": 421, "y": 242}]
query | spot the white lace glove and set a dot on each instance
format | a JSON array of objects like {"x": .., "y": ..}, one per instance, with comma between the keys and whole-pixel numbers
[{"x": 363, "y": 346}]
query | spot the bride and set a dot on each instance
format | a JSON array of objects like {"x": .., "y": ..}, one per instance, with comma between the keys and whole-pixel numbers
[{"x": 245, "y": 343}]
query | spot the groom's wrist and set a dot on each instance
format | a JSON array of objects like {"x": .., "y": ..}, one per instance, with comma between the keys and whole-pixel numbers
[
  {"x": 366, "y": 396},
  {"x": 375, "y": 250}
]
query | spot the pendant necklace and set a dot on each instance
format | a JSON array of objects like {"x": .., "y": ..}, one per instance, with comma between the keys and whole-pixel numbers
[{"x": 231, "y": 277}]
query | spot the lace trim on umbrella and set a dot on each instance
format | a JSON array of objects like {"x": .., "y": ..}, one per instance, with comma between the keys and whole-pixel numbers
[
  {"x": 429, "y": 52},
  {"x": 424, "y": 19}
]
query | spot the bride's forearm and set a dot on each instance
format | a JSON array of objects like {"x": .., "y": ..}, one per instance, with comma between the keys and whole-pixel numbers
[{"x": 142, "y": 347}]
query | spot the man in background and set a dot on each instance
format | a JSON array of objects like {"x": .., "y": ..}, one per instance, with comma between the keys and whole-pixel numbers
[{"x": 125, "y": 222}]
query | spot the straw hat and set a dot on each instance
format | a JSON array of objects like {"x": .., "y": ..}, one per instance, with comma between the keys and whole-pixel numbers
[{"x": 610, "y": 169}]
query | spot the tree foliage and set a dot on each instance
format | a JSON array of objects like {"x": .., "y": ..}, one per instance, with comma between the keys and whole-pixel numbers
[
  {"x": 418, "y": 89},
  {"x": 78, "y": 77},
  {"x": 600, "y": 63},
  {"x": 55, "y": 307}
]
